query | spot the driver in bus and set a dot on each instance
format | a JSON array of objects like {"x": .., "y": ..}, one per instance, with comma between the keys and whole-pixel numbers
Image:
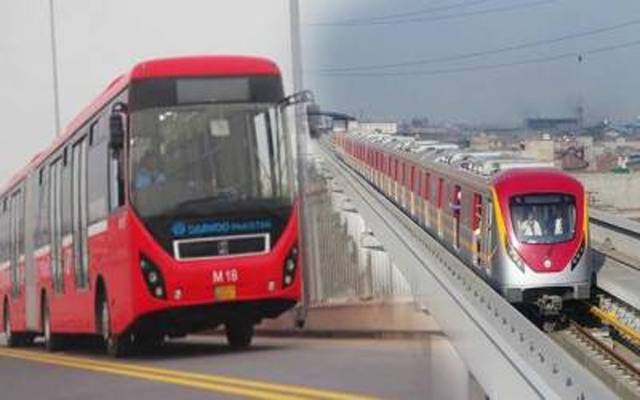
[
  {"x": 148, "y": 174},
  {"x": 531, "y": 226}
]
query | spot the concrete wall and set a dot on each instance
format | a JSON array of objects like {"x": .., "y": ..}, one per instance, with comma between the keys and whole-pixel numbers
[{"x": 621, "y": 191}]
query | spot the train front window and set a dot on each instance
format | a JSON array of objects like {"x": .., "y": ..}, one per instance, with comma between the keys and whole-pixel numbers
[
  {"x": 543, "y": 218},
  {"x": 208, "y": 156}
]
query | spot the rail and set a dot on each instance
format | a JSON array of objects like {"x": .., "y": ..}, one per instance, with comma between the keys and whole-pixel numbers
[{"x": 507, "y": 354}]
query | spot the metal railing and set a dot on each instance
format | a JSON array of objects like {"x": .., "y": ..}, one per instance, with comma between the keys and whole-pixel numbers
[{"x": 348, "y": 264}]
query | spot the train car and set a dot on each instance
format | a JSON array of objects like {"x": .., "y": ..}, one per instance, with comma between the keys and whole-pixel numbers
[
  {"x": 524, "y": 228},
  {"x": 166, "y": 207}
]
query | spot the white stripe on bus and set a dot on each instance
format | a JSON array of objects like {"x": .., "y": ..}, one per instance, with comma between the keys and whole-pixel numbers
[
  {"x": 97, "y": 228},
  {"x": 42, "y": 251},
  {"x": 67, "y": 240}
]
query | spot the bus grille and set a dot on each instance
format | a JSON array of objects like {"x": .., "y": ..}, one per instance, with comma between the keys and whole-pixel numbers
[{"x": 221, "y": 246}]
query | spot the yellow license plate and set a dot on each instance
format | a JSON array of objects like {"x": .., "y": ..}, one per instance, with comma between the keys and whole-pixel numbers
[{"x": 224, "y": 293}]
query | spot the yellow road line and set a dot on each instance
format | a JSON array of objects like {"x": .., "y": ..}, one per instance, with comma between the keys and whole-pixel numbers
[{"x": 213, "y": 383}]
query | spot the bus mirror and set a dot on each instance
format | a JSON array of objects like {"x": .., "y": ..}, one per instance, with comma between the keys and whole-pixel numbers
[
  {"x": 305, "y": 96},
  {"x": 117, "y": 126}
]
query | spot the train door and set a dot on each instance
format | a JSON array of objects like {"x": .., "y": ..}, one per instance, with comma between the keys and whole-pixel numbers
[
  {"x": 456, "y": 212},
  {"x": 417, "y": 197},
  {"x": 488, "y": 231},
  {"x": 426, "y": 190},
  {"x": 440, "y": 204},
  {"x": 402, "y": 180},
  {"x": 478, "y": 255},
  {"x": 396, "y": 176},
  {"x": 411, "y": 187}
]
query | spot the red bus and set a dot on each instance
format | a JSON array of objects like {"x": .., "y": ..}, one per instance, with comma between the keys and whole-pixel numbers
[{"x": 166, "y": 207}]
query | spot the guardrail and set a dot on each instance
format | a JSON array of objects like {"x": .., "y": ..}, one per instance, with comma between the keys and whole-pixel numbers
[
  {"x": 614, "y": 233},
  {"x": 508, "y": 355}
]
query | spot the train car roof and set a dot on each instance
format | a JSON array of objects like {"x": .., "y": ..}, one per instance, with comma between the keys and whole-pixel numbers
[
  {"x": 536, "y": 179},
  {"x": 206, "y": 65}
]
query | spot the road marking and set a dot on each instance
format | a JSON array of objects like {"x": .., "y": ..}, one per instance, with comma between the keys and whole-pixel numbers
[{"x": 212, "y": 383}]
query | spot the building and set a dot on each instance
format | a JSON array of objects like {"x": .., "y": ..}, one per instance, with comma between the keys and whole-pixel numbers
[
  {"x": 386, "y": 128},
  {"x": 552, "y": 124},
  {"x": 541, "y": 149},
  {"x": 486, "y": 142}
]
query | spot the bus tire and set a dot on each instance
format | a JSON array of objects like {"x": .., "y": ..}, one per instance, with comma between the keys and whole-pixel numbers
[
  {"x": 116, "y": 345},
  {"x": 11, "y": 338},
  {"x": 52, "y": 341},
  {"x": 239, "y": 333}
]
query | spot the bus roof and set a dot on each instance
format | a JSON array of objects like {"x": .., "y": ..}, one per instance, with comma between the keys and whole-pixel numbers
[{"x": 206, "y": 65}]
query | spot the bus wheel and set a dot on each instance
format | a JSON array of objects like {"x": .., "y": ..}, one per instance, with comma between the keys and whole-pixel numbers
[
  {"x": 52, "y": 341},
  {"x": 116, "y": 345},
  {"x": 149, "y": 340},
  {"x": 239, "y": 333},
  {"x": 10, "y": 336}
]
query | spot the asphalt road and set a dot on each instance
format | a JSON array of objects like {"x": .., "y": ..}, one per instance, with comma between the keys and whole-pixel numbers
[{"x": 274, "y": 368}]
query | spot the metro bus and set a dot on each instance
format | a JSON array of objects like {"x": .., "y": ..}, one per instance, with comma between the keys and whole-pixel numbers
[{"x": 166, "y": 207}]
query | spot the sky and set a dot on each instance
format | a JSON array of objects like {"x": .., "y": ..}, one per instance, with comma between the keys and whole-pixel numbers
[
  {"x": 97, "y": 40},
  {"x": 604, "y": 83}
]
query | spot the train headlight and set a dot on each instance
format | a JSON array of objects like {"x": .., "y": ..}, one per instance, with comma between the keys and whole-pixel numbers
[
  {"x": 290, "y": 266},
  {"x": 515, "y": 257},
  {"x": 152, "y": 278},
  {"x": 576, "y": 258}
]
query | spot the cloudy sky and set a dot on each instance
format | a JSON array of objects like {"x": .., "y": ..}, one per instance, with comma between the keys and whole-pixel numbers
[
  {"x": 453, "y": 49},
  {"x": 460, "y": 43},
  {"x": 99, "y": 39}
]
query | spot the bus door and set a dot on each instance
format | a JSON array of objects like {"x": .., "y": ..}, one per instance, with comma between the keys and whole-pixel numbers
[
  {"x": 55, "y": 222},
  {"x": 79, "y": 212},
  {"x": 32, "y": 305},
  {"x": 17, "y": 241}
]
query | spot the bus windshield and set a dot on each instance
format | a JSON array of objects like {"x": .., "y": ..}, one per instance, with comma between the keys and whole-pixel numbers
[
  {"x": 543, "y": 218},
  {"x": 214, "y": 156}
]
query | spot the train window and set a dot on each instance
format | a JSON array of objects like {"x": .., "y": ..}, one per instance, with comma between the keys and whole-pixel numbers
[
  {"x": 417, "y": 183},
  {"x": 440, "y": 192},
  {"x": 476, "y": 212},
  {"x": 411, "y": 177},
  {"x": 456, "y": 201},
  {"x": 426, "y": 187},
  {"x": 543, "y": 218}
]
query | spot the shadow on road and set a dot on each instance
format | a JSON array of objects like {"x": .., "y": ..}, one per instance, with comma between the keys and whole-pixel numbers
[{"x": 192, "y": 347}]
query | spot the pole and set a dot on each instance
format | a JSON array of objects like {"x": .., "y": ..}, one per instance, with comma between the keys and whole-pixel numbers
[
  {"x": 54, "y": 65},
  {"x": 306, "y": 231}
]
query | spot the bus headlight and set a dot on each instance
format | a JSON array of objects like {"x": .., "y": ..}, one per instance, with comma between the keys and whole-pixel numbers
[
  {"x": 576, "y": 259},
  {"x": 290, "y": 266},
  {"x": 153, "y": 278},
  {"x": 515, "y": 257}
]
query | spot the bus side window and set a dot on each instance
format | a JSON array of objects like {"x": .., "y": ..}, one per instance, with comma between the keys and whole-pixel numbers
[
  {"x": 4, "y": 231},
  {"x": 98, "y": 171},
  {"x": 116, "y": 178}
]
